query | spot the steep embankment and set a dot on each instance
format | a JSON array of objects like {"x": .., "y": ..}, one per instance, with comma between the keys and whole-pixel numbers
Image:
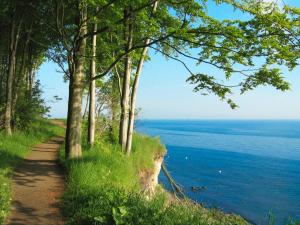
[{"x": 104, "y": 187}]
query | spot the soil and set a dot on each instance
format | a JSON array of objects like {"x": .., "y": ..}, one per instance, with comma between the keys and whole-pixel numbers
[{"x": 37, "y": 186}]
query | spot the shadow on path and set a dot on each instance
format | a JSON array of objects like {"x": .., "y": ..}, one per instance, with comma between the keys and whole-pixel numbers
[{"x": 38, "y": 183}]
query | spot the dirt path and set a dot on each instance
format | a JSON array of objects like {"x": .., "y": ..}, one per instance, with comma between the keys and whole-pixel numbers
[{"x": 38, "y": 183}]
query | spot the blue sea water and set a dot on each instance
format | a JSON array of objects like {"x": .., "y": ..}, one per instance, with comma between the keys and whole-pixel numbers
[{"x": 250, "y": 167}]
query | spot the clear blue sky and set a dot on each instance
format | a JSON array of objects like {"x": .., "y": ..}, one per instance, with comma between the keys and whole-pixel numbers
[{"x": 164, "y": 94}]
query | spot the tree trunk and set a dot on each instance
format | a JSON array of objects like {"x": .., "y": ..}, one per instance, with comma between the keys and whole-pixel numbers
[
  {"x": 76, "y": 85},
  {"x": 3, "y": 74},
  {"x": 91, "y": 125},
  {"x": 32, "y": 79},
  {"x": 8, "y": 107},
  {"x": 15, "y": 32},
  {"x": 134, "y": 91},
  {"x": 126, "y": 83},
  {"x": 133, "y": 99},
  {"x": 116, "y": 96},
  {"x": 86, "y": 106},
  {"x": 21, "y": 74}
]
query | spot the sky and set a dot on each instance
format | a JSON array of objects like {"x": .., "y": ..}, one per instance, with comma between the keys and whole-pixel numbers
[{"x": 164, "y": 94}]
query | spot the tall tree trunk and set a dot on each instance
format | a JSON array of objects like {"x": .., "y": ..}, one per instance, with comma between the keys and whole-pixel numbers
[
  {"x": 76, "y": 85},
  {"x": 3, "y": 74},
  {"x": 91, "y": 125},
  {"x": 126, "y": 82},
  {"x": 134, "y": 91},
  {"x": 32, "y": 79},
  {"x": 87, "y": 101},
  {"x": 30, "y": 67},
  {"x": 15, "y": 32},
  {"x": 21, "y": 75},
  {"x": 133, "y": 99},
  {"x": 116, "y": 96}
]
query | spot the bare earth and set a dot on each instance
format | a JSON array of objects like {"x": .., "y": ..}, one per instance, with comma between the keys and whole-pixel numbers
[{"x": 38, "y": 184}]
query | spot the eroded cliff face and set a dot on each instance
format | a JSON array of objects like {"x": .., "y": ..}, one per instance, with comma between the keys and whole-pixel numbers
[{"x": 149, "y": 177}]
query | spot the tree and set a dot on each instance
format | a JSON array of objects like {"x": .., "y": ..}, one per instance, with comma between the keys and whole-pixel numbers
[
  {"x": 92, "y": 103},
  {"x": 135, "y": 87},
  {"x": 128, "y": 33},
  {"x": 180, "y": 30},
  {"x": 16, "y": 25},
  {"x": 76, "y": 85},
  {"x": 223, "y": 44},
  {"x": 21, "y": 55}
]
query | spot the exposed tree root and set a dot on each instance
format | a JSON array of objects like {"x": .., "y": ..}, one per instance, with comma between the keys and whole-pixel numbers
[{"x": 177, "y": 190}]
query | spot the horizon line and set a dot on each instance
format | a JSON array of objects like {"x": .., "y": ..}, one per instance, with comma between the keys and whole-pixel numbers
[{"x": 172, "y": 119}]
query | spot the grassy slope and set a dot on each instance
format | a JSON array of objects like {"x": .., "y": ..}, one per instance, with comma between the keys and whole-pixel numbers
[
  {"x": 13, "y": 149},
  {"x": 103, "y": 188}
]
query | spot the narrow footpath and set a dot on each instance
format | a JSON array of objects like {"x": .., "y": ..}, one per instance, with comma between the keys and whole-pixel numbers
[{"x": 38, "y": 184}]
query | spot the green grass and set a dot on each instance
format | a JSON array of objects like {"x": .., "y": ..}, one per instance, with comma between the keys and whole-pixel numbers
[
  {"x": 13, "y": 149},
  {"x": 145, "y": 149},
  {"x": 103, "y": 188},
  {"x": 105, "y": 163}
]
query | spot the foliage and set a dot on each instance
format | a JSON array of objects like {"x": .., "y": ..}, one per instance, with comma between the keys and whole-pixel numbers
[
  {"x": 30, "y": 107},
  {"x": 13, "y": 149},
  {"x": 265, "y": 77},
  {"x": 112, "y": 205},
  {"x": 209, "y": 84}
]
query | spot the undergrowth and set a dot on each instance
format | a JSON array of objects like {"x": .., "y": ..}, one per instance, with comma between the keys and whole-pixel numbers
[
  {"x": 13, "y": 149},
  {"x": 103, "y": 188}
]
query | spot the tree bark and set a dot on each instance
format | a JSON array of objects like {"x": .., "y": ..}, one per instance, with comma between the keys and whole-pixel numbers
[
  {"x": 91, "y": 123},
  {"x": 134, "y": 91},
  {"x": 126, "y": 82},
  {"x": 21, "y": 74},
  {"x": 15, "y": 32},
  {"x": 76, "y": 85},
  {"x": 30, "y": 67},
  {"x": 133, "y": 99},
  {"x": 86, "y": 106},
  {"x": 116, "y": 96}
]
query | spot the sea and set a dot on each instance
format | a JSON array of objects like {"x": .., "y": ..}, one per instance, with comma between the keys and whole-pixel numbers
[{"x": 247, "y": 167}]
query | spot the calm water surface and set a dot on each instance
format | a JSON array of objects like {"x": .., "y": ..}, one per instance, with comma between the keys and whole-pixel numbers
[{"x": 248, "y": 167}]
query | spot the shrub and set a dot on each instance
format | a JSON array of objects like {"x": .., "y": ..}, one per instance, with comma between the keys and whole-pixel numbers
[{"x": 30, "y": 107}]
